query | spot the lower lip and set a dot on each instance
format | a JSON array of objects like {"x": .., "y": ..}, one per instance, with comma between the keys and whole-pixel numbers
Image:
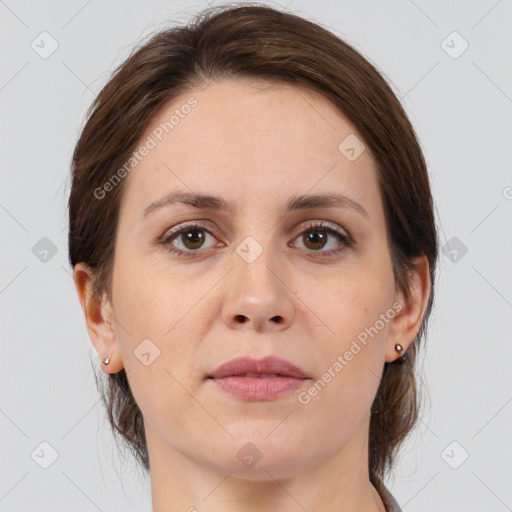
[{"x": 258, "y": 388}]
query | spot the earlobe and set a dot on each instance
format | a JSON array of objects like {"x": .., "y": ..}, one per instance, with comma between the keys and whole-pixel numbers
[
  {"x": 98, "y": 318},
  {"x": 406, "y": 324}
]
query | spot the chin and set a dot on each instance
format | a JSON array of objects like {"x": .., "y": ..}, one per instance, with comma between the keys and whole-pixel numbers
[{"x": 259, "y": 458}]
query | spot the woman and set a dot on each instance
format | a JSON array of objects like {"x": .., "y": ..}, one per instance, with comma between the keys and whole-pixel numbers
[{"x": 254, "y": 249}]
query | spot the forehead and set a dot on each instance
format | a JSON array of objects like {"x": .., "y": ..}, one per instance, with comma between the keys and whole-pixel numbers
[{"x": 244, "y": 137}]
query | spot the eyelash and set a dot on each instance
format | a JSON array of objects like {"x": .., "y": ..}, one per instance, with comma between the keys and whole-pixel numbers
[{"x": 198, "y": 226}]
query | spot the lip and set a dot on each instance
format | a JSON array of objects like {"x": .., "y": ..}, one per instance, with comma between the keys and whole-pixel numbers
[{"x": 278, "y": 377}]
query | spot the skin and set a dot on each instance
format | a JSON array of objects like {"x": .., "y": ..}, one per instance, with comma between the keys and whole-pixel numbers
[{"x": 255, "y": 145}]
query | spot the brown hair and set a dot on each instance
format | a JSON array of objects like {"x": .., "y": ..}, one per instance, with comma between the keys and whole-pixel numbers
[{"x": 257, "y": 41}]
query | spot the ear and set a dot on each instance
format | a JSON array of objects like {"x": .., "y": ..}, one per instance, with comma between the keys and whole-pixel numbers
[
  {"x": 410, "y": 309},
  {"x": 98, "y": 317}
]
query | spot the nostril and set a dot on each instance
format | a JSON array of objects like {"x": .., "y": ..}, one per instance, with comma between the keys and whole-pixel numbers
[
  {"x": 277, "y": 319},
  {"x": 241, "y": 318}
]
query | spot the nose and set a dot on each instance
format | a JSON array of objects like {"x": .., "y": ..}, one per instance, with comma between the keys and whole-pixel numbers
[{"x": 259, "y": 297}]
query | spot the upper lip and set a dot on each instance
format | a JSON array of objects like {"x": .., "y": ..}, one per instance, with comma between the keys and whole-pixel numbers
[{"x": 267, "y": 365}]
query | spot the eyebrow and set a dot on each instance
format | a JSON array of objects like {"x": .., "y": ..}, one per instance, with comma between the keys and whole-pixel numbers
[{"x": 215, "y": 203}]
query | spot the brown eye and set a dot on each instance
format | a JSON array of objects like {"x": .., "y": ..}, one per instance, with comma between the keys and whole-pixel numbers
[
  {"x": 315, "y": 239},
  {"x": 192, "y": 239},
  {"x": 189, "y": 240}
]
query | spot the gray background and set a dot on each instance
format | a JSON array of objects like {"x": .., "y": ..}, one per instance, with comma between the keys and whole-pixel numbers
[{"x": 461, "y": 106}]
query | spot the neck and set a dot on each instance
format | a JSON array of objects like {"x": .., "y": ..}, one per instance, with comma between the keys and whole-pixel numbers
[{"x": 179, "y": 483}]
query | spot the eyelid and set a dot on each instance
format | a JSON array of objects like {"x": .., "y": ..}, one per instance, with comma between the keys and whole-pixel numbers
[{"x": 318, "y": 224}]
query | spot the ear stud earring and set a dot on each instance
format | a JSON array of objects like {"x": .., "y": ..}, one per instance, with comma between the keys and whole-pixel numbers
[
  {"x": 105, "y": 360},
  {"x": 400, "y": 350}
]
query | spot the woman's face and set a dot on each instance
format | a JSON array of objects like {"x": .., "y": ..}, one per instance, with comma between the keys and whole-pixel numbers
[{"x": 254, "y": 280}]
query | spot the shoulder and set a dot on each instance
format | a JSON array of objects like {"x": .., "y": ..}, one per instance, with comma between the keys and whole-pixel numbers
[{"x": 389, "y": 501}]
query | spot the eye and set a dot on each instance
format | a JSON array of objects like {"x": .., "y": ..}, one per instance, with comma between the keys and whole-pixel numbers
[
  {"x": 190, "y": 237},
  {"x": 318, "y": 236},
  {"x": 193, "y": 236}
]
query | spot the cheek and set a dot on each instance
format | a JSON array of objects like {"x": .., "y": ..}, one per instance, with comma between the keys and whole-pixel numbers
[
  {"x": 157, "y": 350},
  {"x": 357, "y": 308},
  {"x": 352, "y": 302},
  {"x": 159, "y": 330},
  {"x": 148, "y": 299},
  {"x": 352, "y": 359}
]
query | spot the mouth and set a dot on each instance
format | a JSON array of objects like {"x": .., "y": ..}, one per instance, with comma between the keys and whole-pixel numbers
[
  {"x": 261, "y": 375},
  {"x": 258, "y": 380}
]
